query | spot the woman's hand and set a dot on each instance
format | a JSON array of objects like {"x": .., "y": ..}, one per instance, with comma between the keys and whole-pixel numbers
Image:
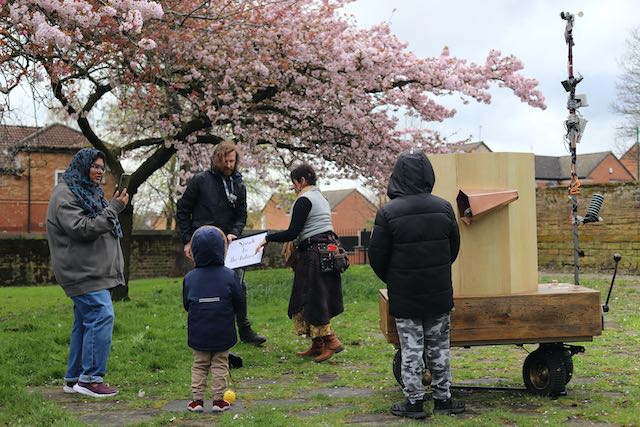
[
  {"x": 122, "y": 196},
  {"x": 261, "y": 245}
]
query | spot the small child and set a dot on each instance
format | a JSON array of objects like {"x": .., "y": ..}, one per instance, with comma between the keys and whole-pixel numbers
[{"x": 210, "y": 293}]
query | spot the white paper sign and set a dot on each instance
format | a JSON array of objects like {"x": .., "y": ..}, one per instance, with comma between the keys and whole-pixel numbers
[{"x": 242, "y": 252}]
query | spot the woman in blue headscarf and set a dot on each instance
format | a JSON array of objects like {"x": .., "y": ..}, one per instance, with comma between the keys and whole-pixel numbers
[{"x": 84, "y": 240}]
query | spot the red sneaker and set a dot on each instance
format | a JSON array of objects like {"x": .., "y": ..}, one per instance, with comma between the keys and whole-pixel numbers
[
  {"x": 220, "y": 405},
  {"x": 95, "y": 389},
  {"x": 196, "y": 406}
]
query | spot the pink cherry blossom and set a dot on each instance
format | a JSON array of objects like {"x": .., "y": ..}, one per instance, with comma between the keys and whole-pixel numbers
[
  {"x": 147, "y": 44},
  {"x": 287, "y": 80}
]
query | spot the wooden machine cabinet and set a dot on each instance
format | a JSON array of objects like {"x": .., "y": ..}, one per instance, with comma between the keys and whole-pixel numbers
[{"x": 495, "y": 279}]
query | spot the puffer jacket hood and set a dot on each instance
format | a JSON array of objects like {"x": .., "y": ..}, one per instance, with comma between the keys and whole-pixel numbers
[
  {"x": 412, "y": 174},
  {"x": 208, "y": 246}
]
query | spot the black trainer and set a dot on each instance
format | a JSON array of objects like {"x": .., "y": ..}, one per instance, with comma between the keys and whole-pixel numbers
[
  {"x": 250, "y": 336},
  {"x": 235, "y": 361},
  {"x": 409, "y": 410},
  {"x": 449, "y": 406}
]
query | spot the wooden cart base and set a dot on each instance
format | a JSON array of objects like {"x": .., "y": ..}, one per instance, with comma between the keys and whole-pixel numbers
[{"x": 553, "y": 315}]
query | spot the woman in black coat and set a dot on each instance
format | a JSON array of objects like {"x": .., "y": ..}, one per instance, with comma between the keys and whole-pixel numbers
[{"x": 316, "y": 296}]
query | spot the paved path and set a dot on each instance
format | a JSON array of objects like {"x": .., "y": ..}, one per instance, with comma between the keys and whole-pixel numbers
[{"x": 110, "y": 412}]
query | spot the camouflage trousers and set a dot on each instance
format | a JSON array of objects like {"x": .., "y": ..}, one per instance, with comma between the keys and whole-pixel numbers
[{"x": 425, "y": 340}]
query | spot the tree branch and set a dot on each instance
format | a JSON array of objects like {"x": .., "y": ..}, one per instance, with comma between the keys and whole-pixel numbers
[
  {"x": 265, "y": 93},
  {"x": 140, "y": 143},
  {"x": 95, "y": 97},
  {"x": 163, "y": 153},
  {"x": 85, "y": 127}
]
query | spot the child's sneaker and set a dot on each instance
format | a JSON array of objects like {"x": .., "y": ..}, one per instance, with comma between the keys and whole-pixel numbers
[
  {"x": 196, "y": 406},
  {"x": 220, "y": 405},
  {"x": 68, "y": 387}
]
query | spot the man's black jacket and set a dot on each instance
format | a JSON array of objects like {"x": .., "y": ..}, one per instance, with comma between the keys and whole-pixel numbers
[
  {"x": 414, "y": 242},
  {"x": 205, "y": 202}
]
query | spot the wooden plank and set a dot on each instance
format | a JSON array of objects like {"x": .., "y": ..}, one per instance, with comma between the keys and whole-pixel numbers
[
  {"x": 387, "y": 322},
  {"x": 554, "y": 313}
]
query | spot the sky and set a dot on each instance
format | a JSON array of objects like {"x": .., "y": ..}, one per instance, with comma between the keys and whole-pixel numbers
[
  {"x": 534, "y": 32},
  {"x": 531, "y": 30}
]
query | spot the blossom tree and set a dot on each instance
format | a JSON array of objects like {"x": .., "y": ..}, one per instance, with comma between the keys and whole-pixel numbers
[{"x": 285, "y": 79}]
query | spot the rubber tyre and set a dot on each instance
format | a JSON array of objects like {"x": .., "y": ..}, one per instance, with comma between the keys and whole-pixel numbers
[
  {"x": 544, "y": 372},
  {"x": 568, "y": 366},
  {"x": 397, "y": 371},
  {"x": 397, "y": 368}
]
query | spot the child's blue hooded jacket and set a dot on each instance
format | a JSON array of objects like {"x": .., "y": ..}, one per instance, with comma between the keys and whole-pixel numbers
[{"x": 210, "y": 293}]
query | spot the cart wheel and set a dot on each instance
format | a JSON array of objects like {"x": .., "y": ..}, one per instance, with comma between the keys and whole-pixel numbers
[
  {"x": 397, "y": 371},
  {"x": 544, "y": 372},
  {"x": 568, "y": 366},
  {"x": 397, "y": 367}
]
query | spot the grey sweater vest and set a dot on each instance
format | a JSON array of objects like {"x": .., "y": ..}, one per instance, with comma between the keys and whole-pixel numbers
[{"x": 319, "y": 219}]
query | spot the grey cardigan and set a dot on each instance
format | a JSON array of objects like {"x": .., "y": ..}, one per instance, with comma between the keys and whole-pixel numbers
[{"x": 86, "y": 256}]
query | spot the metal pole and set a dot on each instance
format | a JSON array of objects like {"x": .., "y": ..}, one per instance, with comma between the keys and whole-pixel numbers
[
  {"x": 574, "y": 211},
  {"x": 574, "y": 170},
  {"x": 573, "y": 135},
  {"x": 637, "y": 154},
  {"x": 29, "y": 191}
]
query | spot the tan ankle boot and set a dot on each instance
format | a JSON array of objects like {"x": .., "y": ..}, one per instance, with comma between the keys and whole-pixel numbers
[
  {"x": 331, "y": 345},
  {"x": 317, "y": 346}
]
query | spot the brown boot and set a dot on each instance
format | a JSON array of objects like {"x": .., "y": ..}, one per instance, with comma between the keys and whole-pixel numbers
[
  {"x": 331, "y": 345},
  {"x": 317, "y": 346}
]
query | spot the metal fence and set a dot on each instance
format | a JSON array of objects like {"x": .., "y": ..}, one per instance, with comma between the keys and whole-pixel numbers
[{"x": 352, "y": 238}]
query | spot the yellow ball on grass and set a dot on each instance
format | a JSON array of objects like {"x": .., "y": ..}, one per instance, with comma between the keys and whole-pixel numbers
[{"x": 229, "y": 396}]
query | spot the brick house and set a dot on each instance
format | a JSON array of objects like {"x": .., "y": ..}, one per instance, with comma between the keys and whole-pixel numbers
[
  {"x": 351, "y": 211},
  {"x": 475, "y": 147},
  {"x": 32, "y": 160},
  {"x": 592, "y": 168},
  {"x": 631, "y": 159}
]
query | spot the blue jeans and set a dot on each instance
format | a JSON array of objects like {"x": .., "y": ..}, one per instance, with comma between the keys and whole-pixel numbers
[{"x": 90, "y": 337}]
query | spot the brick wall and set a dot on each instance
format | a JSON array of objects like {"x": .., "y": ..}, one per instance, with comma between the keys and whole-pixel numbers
[
  {"x": 275, "y": 215},
  {"x": 24, "y": 258},
  {"x": 354, "y": 213},
  {"x": 156, "y": 254},
  {"x": 619, "y": 232},
  {"x": 350, "y": 216},
  {"x": 14, "y": 190},
  {"x": 631, "y": 161},
  {"x": 12, "y": 203},
  {"x": 610, "y": 170}
]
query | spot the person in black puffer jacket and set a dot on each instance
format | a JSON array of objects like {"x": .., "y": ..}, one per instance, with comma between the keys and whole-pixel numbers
[
  {"x": 414, "y": 242},
  {"x": 211, "y": 294}
]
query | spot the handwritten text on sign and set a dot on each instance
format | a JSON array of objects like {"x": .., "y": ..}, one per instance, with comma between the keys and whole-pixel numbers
[{"x": 242, "y": 252}]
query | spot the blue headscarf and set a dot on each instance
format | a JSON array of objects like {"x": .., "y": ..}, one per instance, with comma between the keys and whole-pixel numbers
[{"x": 88, "y": 193}]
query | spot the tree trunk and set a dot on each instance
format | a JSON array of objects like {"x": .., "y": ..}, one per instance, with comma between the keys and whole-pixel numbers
[{"x": 121, "y": 293}]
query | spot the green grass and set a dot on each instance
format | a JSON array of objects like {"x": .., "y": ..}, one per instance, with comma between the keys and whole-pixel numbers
[{"x": 278, "y": 388}]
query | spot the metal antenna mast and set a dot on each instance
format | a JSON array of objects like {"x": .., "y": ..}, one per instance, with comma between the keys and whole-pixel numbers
[{"x": 575, "y": 127}]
